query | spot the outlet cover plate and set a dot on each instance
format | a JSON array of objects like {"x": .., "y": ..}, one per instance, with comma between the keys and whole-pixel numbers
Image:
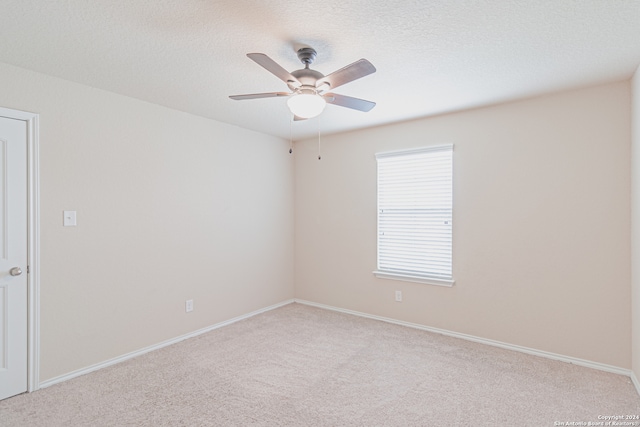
[{"x": 69, "y": 218}]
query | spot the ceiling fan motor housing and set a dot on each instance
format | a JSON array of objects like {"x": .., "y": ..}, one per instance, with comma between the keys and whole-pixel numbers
[{"x": 307, "y": 77}]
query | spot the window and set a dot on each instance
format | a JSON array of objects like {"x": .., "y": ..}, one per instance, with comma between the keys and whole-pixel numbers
[{"x": 415, "y": 215}]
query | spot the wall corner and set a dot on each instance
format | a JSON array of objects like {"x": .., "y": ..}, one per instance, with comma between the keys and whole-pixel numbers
[{"x": 635, "y": 228}]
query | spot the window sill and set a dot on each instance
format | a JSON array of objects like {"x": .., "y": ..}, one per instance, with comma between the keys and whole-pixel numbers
[{"x": 411, "y": 278}]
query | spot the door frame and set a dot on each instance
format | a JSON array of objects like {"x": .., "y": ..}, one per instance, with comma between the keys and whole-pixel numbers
[{"x": 33, "y": 243}]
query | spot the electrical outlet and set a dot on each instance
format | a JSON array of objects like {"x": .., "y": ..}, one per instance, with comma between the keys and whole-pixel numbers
[
  {"x": 188, "y": 305},
  {"x": 399, "y": 296}
]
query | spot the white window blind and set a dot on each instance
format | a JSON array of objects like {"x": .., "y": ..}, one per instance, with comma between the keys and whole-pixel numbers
[{"x": 415, "y": 214}]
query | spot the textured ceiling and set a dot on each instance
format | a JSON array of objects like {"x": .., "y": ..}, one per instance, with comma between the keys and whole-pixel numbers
[{"x": 431, "y": 56}]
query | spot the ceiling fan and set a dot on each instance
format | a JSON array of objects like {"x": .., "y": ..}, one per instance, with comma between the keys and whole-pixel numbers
[{"x": 309, "y": 88}]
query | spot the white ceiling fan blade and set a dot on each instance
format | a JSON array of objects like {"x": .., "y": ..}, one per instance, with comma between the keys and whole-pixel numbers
[
  {"x": 347, "y": 74},
  {"x": 275, "y": 69},
  {"x": 349, "y": 102},
  {"x": 259, "y": 95}
]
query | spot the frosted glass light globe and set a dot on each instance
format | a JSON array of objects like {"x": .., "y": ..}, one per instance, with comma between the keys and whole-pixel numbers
[{"x": 306, "y": 105}]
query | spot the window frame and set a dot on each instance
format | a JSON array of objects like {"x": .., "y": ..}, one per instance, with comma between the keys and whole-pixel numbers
[{"x": 404, "y": 275}]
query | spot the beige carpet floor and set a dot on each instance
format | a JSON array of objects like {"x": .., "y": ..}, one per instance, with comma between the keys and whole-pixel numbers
[{"x": 302, "y": 366}]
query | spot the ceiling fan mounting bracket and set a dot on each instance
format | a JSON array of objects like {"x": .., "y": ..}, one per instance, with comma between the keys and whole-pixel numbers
[{"x": 307, "y": 55}]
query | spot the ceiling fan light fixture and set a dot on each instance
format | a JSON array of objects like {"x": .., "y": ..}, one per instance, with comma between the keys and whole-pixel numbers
[{"x": 306, "y": 105}]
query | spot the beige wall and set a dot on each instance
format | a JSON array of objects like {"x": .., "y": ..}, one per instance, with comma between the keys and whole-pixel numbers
[
  {"x": 541, "y": 224},
  {"x": 635, "y": 222},
  {"x": 170, "y": 207},
  {"x": 173, "y": 206}
]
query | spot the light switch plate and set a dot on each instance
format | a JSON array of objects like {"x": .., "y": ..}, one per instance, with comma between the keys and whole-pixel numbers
[{"x": 69, "y": 218}]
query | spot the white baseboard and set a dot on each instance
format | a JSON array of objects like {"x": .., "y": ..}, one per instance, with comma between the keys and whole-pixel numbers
[
  {"x": 166, "y": 343},
  {"x": 635, "y": 381},
  {"x": 521, "y": 349}
]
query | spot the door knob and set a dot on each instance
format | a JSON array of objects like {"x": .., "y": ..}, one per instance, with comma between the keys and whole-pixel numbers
[{"x": 15, "y": 271}]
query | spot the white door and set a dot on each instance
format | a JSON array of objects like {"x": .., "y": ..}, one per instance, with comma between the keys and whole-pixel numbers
[{"x": 13, "y": 257}]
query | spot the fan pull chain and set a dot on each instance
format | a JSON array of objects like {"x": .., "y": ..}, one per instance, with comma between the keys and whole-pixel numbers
[
  {"x": 291, "y": 135},
  {"x": 319, "y": 153}
]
